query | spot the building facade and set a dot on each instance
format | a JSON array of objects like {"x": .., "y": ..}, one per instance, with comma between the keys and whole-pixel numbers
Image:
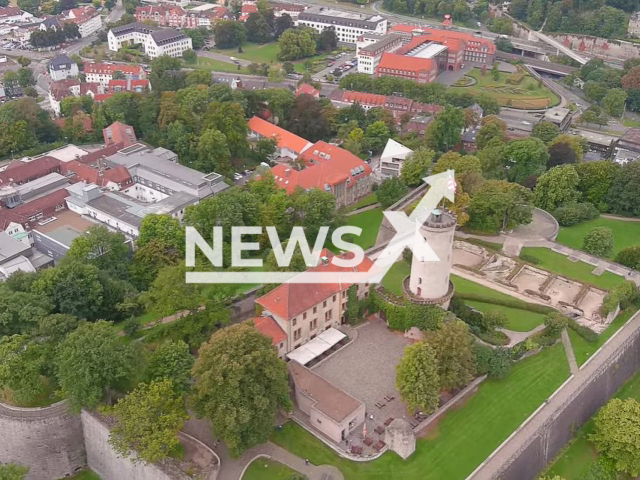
[
  {"x": 102, "y": 73},
  {"x": 348, "y": 26},
  {"x": 634, "y": 25},
  {"x": 156, "y": 41},
  {"x": 62, "y": 67},
  {"x": 369, "y": 52}
]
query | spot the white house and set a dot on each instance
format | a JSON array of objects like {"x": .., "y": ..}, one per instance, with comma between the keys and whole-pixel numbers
[
  {"x": 348, "y": 26},
  {"x": 62, "y": 67},
  {"x": 102, "y": 73},
  {"x": 14, "y": 15},
  {"x": 392, "y": 159},
  {"x": 156, "y": 41},
  {"x": 87, "y": 19}
]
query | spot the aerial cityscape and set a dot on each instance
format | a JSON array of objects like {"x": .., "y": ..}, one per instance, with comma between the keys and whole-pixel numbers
[{"x": 319, "y": 240}]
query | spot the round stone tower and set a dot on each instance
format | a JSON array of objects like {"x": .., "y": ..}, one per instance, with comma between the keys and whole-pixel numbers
[{"x": 429, "y": 282}]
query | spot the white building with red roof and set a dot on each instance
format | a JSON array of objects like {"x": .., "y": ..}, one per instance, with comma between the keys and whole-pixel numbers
[
  {"x": 71, "y": 87},
  {"x": 102, "y": 73},
  {"x": 267, "y": 326},
  {"x": 304, "y": 310},
  {"x": 288, "y": 145},
  {"x": 87, "y": 19}
]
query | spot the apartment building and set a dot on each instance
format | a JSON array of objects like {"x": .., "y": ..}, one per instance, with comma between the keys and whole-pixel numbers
[
  {"x": 87, "y": 18},
  {"x": 62, "y": 67},
  {"x": 288, "y": 145},
  {"x": 347, "y": 25},
  {"x": 418, "y": 70},
  {"x": 155, "y": 40},
  {"x": 369, "y": 50}
]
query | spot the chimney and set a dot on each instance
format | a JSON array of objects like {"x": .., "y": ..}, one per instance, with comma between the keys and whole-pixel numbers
[{"x": 287, "y": 172}]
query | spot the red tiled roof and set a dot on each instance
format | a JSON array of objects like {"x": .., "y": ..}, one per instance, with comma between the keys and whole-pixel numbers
[
  {"x": 325, "y": 165},
  {"x": 469, "y": 41},
  {"x": 89, "y": 174},
  {"x": 87, "y": 123},
  {"x": 249, "y": 8},
  {"x": 92, "y": 158},
  {"x": 270, "y": 328},
  {"x": 406, "y": 64},
  {"x": 291, "y": 299},
  {"x": 283, "y": 138},
  {"x": 9, "y": 11},
  {"x": 21, "y": 213},
  {"x": 308, "y": 89},
  {"x": 363, "y": 98},
  {"x": 119, "y": 132},
  {"x": 110, "y": 69},
  {"x": 101, "y": 97},
  {"x": 30, "y": 170}
]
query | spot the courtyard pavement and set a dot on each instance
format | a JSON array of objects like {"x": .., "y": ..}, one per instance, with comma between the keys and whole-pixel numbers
[{"x": 365, "y": 369}]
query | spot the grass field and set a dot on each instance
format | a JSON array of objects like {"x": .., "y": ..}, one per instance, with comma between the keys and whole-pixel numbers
[
  {"x": 265, "y": 469},
  {"x": 467, "y": 434},
  {"x": 575, "y": 460},
  {"x": 583, "y": 349},
  {"x": 217, "y": 65},
  {"x": 519, "y": 320},
  {"x": 253, "y": 52},
  {"x": 561, "y": 265},
  {"x": 625, "y": 234},
  {"x": 526, "y": 95},
  {"x": 369, "y": 222}
]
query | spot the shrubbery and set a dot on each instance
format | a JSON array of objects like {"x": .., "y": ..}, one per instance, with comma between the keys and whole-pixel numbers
[
  {"x": 629, "y": 257},
  {"x": 493, "y": 362},
  {"x": 622, "y": 294},
  {"x": 505, "y": 302},
  {"x": 575, "y": 213},
  {"x": 585, "y": 332},
  {"x": 425, "y": 317},
  {"x": 532, "y": 259}
]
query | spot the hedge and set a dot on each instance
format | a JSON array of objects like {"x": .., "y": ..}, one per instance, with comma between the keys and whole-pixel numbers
[
  {"x": 403, "y": 317},
  {"x": 513, "y": 303},
  {"x": 585, "y": 332},
  {"x": 575, "y": 213},
  {"x": 622, "y": 294}
]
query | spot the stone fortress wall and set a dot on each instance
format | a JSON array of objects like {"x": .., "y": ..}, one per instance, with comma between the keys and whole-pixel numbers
[{"x": 55, "y": 444}]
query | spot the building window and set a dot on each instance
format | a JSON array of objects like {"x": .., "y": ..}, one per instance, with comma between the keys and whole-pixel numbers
[
  {"x": 313, "y": 324},
  {"x": 324, "y": 304},
  {"x": 297, "y": 334},
  {"x": 334, "y": 298},
  {"x": 318, "y": 420},
  {"x": 294, "y": 321},
  {"x": 328, "y": 315},
  {"x": 315, "y": 309},
  {"x": 304, "y": 316}
]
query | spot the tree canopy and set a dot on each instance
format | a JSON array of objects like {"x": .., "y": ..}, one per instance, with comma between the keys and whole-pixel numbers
[{"x": 417, "y": 378}]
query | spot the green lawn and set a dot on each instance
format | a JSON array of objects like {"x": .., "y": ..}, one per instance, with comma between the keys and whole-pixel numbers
[
  {"x": 369, "y": 222},
  {"x": 527, "y": 94},
  {"x": 583, "y": 349},
  {"x": 574, "y": 461},
  {"x": 217, "y": 65},
  {"x": 519, "y": 320},
  {"x": 625, "y": 234},
  {"x": 561, "y": 265},
  {"x": 392, "y": 281},
  {"x": 265, "y": 469},
  {"x": 463, "y": 438},
  {"x": 253, "y": 52}
]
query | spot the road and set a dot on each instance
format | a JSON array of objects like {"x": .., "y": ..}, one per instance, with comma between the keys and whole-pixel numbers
[
  {"x": 341, "y": 61},
  {"x": 116, "y": 13},
  {"x": 223, "y": 58},
  {"x": 325, "y": 88}
]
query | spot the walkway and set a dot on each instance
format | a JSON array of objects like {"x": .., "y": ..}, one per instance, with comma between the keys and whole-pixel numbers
[
  {"x": 568, "y": 350},
  {"x": 494, "y": 465},
  {"x": 517, "y": 337}
]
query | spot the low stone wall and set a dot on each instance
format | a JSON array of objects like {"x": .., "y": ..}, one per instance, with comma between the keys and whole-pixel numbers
[{"x": 47, "y": 440}]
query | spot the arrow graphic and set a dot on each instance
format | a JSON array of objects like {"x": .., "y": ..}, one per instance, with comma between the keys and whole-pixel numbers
[{"x": 442, "y": 185}]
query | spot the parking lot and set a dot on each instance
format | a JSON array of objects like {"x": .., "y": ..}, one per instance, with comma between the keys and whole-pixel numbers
[{"x": 342, "y": 63}]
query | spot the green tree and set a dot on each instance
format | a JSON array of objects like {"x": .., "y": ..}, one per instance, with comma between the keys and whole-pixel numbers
[
  {"x": 189, "y": 56},
  {"x": 390, "y": 191},
  {"x": 416, "y": 165},
  {"x": 327, "y": 40},
  {"x": 495, "y": 73},
  {"x": 147, "y": 422},
  {"x": 228, "y": 34},
  {"x": 488, "y": 132},
  {"x": 21, "y": 365},
  {"x": 258, "y": 30},
  {"x": 376, "y": 136},
  {"x": 595, "y": 181},
  {"x": 91, "y": 361},
  {"x": 452, "y": 347},
  {"x": 525, "y": 158},
  {"x": 417, "y": 378},
  {"x": 353, "y": 304},
  {"x": 307, "y": 119},
  {"x": 545, "y": 131},
  {"x": 575, "y": 142},
  {"x": 169, "y": 293},
  {"x": 171, "y": 361},
  {"x": 295, "y": 44},
  {"x": 556, "y": 187},
  {"x": 20, "y": 312},
  {"x": 499, "y": 205},
  {"x": 197, "y": 77},
  {"x": 629, "y": 257},
  {"x": 239, "y": 384},
  {"x": 166, "y": 74},
  {"x": 445, "y": 131},
  {"x": 354, "y": 140},
  {"x": 467, "y": 168},
  {"x": 100, "y": 247},
  {"x": 213, "y": 154},
  {"x": 12, "y": 471},
  {"x": 616, "y": 430},
  {"x": 613, "y": 102},
  {"x": 25, "y": 77},
  {"x": 149, "y": 259},
  {"x": 162, "y": 229},
  {"x": 624, "y": 193},
  {"x": 598, "y": 241},
  {"x": 275, "y": 74},
  {"x": 492, "y": 160},
  {"x": 288, "y": 67},
  {"x": 73, "y": 287},
  {"x": 554, "y": 323}
]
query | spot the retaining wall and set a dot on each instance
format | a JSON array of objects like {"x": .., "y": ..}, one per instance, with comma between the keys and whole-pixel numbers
[
  {"x": 47, "y": 440},
  {"x": 542, "y": 447}
]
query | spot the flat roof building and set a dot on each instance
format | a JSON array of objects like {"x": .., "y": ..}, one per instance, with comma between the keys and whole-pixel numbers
[{"x": 347, "y": 25}]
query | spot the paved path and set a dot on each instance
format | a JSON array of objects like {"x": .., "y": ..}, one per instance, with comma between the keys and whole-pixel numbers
[
  {"x": 623, "y": 219},
  {"x": 492, "y": 467},
  {"x": 568, "y": 349},
  {"x": 517, "y": 337}
]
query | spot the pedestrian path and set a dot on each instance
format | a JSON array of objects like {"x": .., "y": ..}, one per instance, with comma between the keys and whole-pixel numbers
[{"x": 568, "y": 350}]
